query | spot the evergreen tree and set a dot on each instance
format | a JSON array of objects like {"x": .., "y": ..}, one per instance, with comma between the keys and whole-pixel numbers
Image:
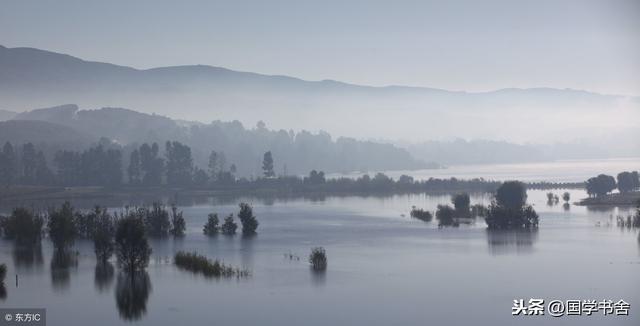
[{"x": 267, "y": 165}]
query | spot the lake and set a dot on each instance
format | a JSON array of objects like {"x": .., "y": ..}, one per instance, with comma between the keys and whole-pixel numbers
[
  {"x": 556, "y": 171},
  {"x": 384, "y": 268}
]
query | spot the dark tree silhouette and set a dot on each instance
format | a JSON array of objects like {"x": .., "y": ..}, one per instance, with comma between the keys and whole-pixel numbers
[
  {"x": 103, "y": 235},
  {"x": 211, "y": 228},
  {"x": 178, "y": 224},
  {"x": 600, "y": 185},
  {"x": 179, "y": 164},
  {"x": 511, "y": 194},
  {"x": 248, "y": 220},
  {"x": 445, "y": 215},
  {"x": 267, "y": 165},
  {"x": 461, "y": 202},
  {"x": 132, "y": 247},
  {"x": 318, "y": 259},
  {"x": 627, "y": 181},
  {"x": 156, "y": 220},
  {"x": 23, "y": 226},
  {"x": 62, "y": 227},
  {"x": 229, "y": 226},
  {"x": 509, "y": 210},
  {"x": 152, "y": 166}
]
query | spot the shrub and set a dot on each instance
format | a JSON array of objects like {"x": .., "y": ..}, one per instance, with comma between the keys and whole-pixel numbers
[
  {"x": 318, "y": 258},
  {"x": 62, "y": 227},
  {"x": 446, "y": 216},
  {"x": 156, "y": 220},
  {"x": 23, "y": 226},
  {"x": 85, "y": 223},
  {"x": 201, "y": 264},
  {"x": 229, "y": 226},
  {"x": 566, "y": 196},
  {"x": 178, "y": 224},
  {"x": 212, "y": 226},
  {"x": 132, "y": 247},
  {"x": 248, "y": 220},
  {"x": 421, "y": 214},
  {"x": 500, "y": 217},
  {"x": 103, "y": 235}
]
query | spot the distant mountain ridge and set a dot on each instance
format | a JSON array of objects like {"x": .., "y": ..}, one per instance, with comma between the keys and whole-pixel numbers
[{"x": 32, "y": 78}]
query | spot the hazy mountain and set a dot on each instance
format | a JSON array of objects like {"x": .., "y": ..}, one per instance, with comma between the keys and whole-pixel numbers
[
  {"x": 31, "y": 78},
  {"x": 42, "y": 132},
  {"x": 296, "y": 152},
  {"x": 6, "y": 115}
]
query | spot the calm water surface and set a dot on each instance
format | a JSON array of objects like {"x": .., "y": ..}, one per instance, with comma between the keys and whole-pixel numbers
[
  {"x": 558, "y": 171},
  {"x": 384, "y": 269}
]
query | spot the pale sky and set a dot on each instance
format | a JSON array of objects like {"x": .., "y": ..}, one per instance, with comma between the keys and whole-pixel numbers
[{"x": 458, "y": 45}]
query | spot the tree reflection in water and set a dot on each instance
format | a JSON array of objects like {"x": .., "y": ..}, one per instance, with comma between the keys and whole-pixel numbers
[
  {"x": 3, "y": 292},
  {"x": 27, "y": 257},
  {"x": 104, "y": 276},
  {"x": 62, "y": 262},
  {"x": 132, "y": 293},
  {"x": 511, "y": 241}
]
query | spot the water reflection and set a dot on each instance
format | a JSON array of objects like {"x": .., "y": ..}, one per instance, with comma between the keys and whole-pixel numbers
[
  {"x": 62, "y": 262},
  {"x": 511, "y": 241},
  {"x": 132, "y": 293},
  {"x": 103, "y": 276},
  {"x": 3, "y": 292},
  {"x": 566, "y": 207},
  {"x": 27, "y": 257},
  {"x": 247, "y": 248},
  {"x": 318, "y": 277},
  {"x": 601, "y": 209}
]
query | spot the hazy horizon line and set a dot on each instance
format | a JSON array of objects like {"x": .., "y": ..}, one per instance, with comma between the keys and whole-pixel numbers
[{"x": 405, "y": 86}]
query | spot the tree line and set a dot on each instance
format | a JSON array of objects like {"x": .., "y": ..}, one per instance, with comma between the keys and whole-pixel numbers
[{"x": 603, "y": 184}]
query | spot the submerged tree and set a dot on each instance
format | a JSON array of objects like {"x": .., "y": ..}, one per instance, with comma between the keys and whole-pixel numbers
[
  {"x": 461, "y": 203},
  {"x": 24, "y": 226},
  {"x": 62, "y": 227},
  {"x": 509, "y": 210},
  {"x": 178, "y": 224},
  {"x": 211, "y": 227},
  {"x": 420, "y": 214},
  {"x": 229, "y": 226},
  {"x": 446, "y": 216},
  {"x": 156, "y": 220},
  {"x": 103, "y": 235},
  {"x": 318, "y": 259},
  {"x": 132, "y": 247},
  {"x": 248, "y": 220}
]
